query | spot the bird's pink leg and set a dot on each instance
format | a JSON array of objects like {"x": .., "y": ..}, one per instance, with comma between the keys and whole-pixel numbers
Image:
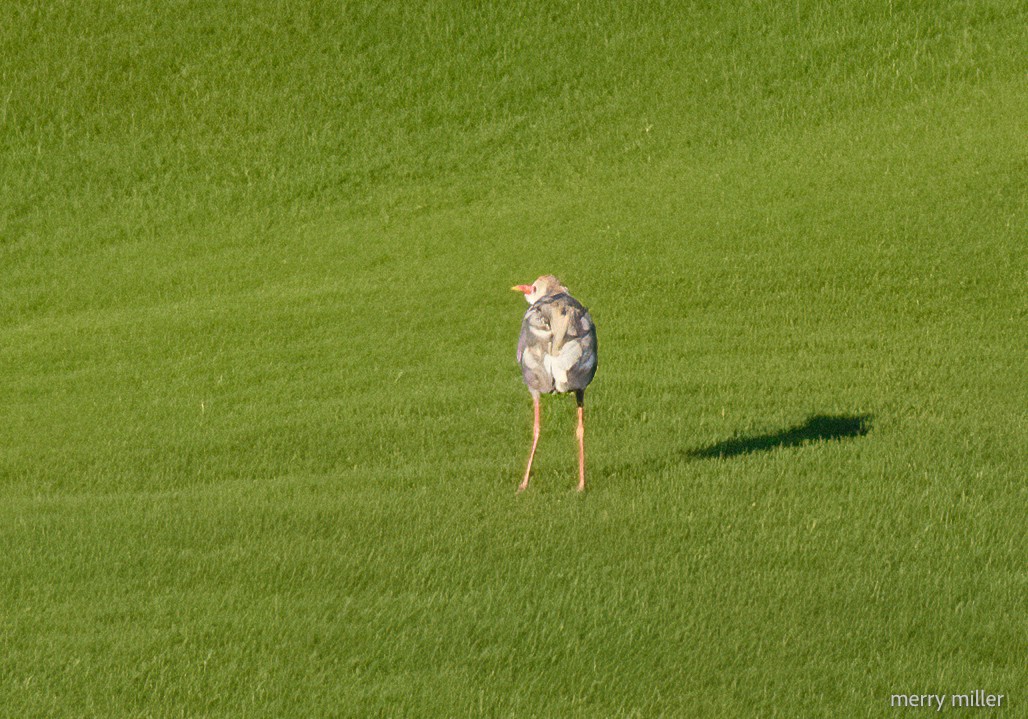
[
  {"x": 535, "y": 441},
  {"x": 580, "y": 434}
]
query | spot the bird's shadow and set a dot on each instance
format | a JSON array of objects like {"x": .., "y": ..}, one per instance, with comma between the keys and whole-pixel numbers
[{"x": 817, "y": 428}]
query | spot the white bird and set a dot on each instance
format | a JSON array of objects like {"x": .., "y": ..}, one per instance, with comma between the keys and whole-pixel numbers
[{"x": 557, "y": 353}]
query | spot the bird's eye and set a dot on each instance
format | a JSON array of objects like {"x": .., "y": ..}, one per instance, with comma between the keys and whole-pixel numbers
[{"x": 533, "y": 289}]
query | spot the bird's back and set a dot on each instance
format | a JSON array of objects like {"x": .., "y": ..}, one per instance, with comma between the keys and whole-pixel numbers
[{"x": 557, "y": 346}]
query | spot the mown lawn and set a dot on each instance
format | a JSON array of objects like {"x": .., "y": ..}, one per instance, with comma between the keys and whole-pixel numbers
[{"x": 262, "y": 423}]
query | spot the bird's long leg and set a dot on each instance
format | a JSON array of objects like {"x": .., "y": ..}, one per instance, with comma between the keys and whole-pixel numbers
[
  {"x": 580, "y": 434},
  {"x": 535, "y": 441}
]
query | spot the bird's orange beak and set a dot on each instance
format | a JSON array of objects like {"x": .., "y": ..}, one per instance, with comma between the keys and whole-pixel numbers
[{"x": 526, "y": 289}]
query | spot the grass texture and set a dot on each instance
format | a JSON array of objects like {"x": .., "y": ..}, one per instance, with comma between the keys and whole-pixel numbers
[{"x": 262, "y": 423}]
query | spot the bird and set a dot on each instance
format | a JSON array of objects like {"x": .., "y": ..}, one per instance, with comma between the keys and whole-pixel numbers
[{"x": 557, "y": 354}]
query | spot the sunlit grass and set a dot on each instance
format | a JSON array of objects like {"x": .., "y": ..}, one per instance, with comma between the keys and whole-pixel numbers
[{"x": 262, "y": 421}]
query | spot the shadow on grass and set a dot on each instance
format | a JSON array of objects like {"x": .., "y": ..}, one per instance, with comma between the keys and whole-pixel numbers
[{"x": 818, "y": 427}]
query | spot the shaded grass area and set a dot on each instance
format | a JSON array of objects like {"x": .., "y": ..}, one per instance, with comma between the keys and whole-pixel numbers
[
  {"x": 262, "y": 423},
  {"x": 817, "y": 428}
]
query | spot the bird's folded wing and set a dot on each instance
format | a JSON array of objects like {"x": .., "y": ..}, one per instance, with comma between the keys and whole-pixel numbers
[
  {"x": 569, "y": 321},
  {"x": 535, "y": 330},
  {"x": 560, "y": 322}
]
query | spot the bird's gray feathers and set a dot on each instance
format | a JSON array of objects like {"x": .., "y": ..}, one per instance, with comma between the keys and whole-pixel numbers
[{"x": 557, "y": 346}]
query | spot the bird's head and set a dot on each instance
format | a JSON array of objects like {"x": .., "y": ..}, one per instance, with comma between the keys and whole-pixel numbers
[{"x": 542, "y": 287}]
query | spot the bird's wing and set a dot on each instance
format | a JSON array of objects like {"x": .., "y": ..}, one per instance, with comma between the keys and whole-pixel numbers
[
  {"x": 535, "y": 330},
  {"x": 573, "y": 362},
  {"x": 561, "y": 321},
  {"x": 533, "y": 345},
  {"x": 569, "y": 320}
]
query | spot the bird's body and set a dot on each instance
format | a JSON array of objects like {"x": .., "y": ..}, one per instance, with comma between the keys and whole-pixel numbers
[
  {"x": 557, "y": 354},
  {"x": 557, "y": 347}
]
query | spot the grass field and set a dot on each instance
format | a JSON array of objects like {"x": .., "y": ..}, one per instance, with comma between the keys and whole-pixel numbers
[{"x": 262, "y": 423}]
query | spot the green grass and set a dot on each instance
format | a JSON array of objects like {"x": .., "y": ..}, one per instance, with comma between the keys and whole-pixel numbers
[{"x": 262, "y": 423}]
